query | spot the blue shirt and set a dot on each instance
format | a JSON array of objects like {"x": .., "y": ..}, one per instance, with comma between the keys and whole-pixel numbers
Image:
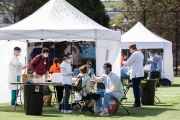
[
  {"x": 124, "y": 70},
  {"x": 159, "y": 63},
  {"x": 154, "y": 65}
]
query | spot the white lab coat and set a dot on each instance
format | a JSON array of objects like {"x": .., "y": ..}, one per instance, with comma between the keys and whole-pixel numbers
[
  {"x": 65, "y": 70},
  {"x": 136, "y": 61},
  {"x": 15, "y": 67}
]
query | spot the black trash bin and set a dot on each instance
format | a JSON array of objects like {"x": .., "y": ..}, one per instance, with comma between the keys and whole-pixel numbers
[
  {"x": 33, "y": 99},
  {"x": 148, "y": 92}
]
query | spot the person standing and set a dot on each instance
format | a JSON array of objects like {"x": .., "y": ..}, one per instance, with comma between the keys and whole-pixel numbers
[
  {"x": 153, "y": 61},
  {"x": 66, "y": 71},
  {"x": 55, "y": 68},
  {"x": 159, "y": 62},
  {"x": 39, "y": 65},
  {"x": 15, "y": 67},
  {"x": 136, "y": 62}
]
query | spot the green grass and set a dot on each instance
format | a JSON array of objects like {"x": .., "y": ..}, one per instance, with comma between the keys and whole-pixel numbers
[{"x": 168, "y": 109}]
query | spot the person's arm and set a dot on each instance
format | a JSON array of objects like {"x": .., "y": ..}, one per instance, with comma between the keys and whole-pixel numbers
[
  {"x": 97, "y": 79},
  {"x": 155, "y": 60},
  {"x": 130, "y": 61},
  {"x": 33, "y": 63},
  {"x": 64, "y": 72}
]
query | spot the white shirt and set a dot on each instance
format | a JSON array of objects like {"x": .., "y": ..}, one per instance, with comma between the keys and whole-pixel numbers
[
  {"x": 65, "y": 70},
  {"x": 136, "y": 60},
  {"x": 112, "y": 84}
]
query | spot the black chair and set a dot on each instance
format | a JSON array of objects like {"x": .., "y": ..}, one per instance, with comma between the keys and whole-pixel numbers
[{"x": 85, "y": 104}]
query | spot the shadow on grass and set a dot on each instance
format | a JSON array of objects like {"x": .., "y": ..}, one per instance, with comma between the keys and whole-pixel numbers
[
  {"x": 153, "y": 110},
  {"x": 175, "y": 85}
]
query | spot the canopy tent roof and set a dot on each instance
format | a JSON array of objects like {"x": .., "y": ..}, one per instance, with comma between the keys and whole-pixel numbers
[
  {"x": 58, "y": 19},
  {"x": 145, "y": 39}
]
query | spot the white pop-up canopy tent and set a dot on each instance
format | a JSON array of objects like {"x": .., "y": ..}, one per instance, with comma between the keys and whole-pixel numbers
[
  {"x": 59, "y": 20},
  {"x": 145, "y": 39}
]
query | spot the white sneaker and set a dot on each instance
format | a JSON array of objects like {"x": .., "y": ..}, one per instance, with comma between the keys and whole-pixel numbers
[
  {"x": 98, "y": 111},
  {"x": 62, "y": 110},
  {"x": 67, "y": 111},
  {"x": 104, "y": 113}
]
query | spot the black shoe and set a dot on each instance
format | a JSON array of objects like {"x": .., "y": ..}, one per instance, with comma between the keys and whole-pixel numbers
[
  {"x": 136, "y": 106},
  {"x": 16, "y": 105}
]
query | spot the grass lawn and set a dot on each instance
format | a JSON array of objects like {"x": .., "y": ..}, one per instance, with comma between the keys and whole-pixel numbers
[{"x": 168, "y": 109}]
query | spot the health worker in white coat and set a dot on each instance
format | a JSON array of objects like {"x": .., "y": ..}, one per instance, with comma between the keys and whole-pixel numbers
[
  {"x": 67, "y": 74},
  {"x": 136, "y": 63},
  {"x": 15, "y": 67}
]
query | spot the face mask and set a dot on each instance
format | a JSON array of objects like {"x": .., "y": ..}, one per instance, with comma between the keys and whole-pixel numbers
[
  {"x": 45, "y": 55},
  {"x": 69, "y": 60},
  {"x": 131, "y": 51},
  {"x": 19, "y": 54}
]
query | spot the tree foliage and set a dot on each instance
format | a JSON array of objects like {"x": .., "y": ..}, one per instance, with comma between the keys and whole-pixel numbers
[
  {"x": 94, "y": 9},
  {"x": 160, "y": 16}
]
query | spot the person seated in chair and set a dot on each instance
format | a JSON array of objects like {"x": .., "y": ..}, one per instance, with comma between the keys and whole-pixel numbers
[
  {"x": 124, "y": 72},
  {"x": 84, "y": 73},
  {"x": 113, "y": 88}
]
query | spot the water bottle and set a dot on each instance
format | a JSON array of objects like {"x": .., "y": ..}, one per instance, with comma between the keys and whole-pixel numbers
[{"x": 148, "y": 78}]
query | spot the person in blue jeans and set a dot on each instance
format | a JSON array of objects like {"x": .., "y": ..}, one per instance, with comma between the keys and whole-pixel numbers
[
  {"x": 136, "y": 62},
  {"x": 124, "y": 72},
  {"x": 67, "y": 74},
  {"x": 113, "y": 88}
]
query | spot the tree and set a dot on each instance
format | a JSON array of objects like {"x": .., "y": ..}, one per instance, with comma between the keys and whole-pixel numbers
[
  {"x": 159, "y": 16},
  {"x": 94, "y": 9},
  {"x": 28, "y": 7}
]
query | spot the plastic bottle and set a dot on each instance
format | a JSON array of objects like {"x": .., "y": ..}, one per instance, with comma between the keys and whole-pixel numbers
[{"x": 148, "y": 75}]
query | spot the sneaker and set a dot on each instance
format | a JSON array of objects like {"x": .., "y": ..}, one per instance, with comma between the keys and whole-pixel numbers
[
  {"x": 67, "y": 111},
  {"x": 136, "y": 106},
  {"x": 15, "y": 105},
  {"x": 98, "y": 111},
  {"x": 62, "y": 110},
  {"x": 104, "y": 113}
]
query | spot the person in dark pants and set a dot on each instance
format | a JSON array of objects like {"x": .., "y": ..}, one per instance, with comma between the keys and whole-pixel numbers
[
  {"x": 55, "y": 68},
  {"x": 136, "y": 61}
]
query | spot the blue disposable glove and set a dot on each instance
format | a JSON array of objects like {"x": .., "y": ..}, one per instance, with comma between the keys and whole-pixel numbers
[
  {"x": 75, "y": 73},
  {"x": 149, "y": 61},
  {"x": 92, "y": 71}
]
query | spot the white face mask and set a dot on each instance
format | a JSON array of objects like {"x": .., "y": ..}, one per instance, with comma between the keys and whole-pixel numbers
[
  {"x": 45, "y": 55},
  {"x": 131, "y": 51},
  {"x": 69, "y": 60}
]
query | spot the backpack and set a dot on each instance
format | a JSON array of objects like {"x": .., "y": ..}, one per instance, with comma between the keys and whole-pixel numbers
[
  {"x": 165, "y": 82},
  {"x": 78, "y": 84},
  {"x": 47, "y": 90}
]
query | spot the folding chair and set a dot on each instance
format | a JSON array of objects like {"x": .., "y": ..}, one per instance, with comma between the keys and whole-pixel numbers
[
  {"x": 118, "y": 102},
  {"x": 85, "y": 104}
]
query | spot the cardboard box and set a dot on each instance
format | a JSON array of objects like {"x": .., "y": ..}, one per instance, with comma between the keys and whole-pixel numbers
[{"x": 25, "y": 78}]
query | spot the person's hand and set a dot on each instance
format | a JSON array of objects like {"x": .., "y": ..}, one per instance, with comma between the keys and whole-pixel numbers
[
  {"x": 47, "y": 74},
  {"x": 35, "y": 74},
  {"x": 25, "y": 66},
  {"x": 75, "y": 73},
  {"x": 92, "y": 71}
]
